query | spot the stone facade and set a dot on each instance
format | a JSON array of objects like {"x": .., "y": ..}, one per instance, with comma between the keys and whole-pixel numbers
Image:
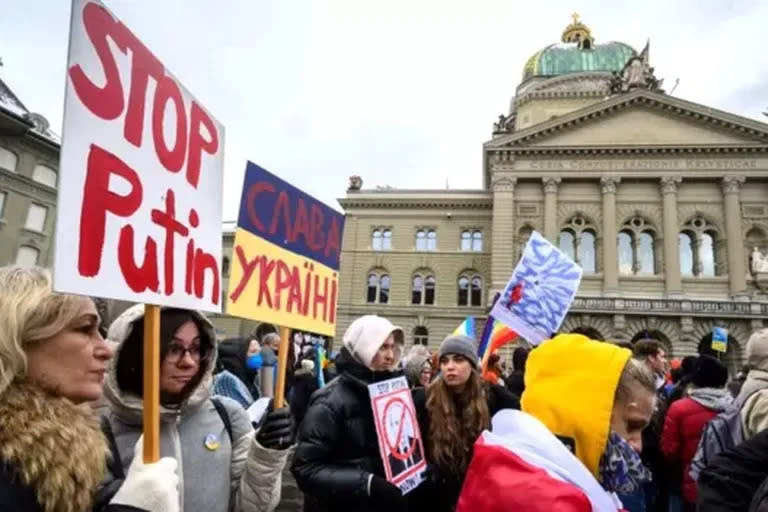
[
  {"x": 636, "y": 168},
  {"x": 29, "y": 158}
]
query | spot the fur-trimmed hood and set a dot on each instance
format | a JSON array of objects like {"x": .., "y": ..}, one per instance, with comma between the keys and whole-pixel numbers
[
  {"x": 127, "y": 406},
  {"x": 53, "y": 446}
]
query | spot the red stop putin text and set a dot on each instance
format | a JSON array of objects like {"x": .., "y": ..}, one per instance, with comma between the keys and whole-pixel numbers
[{"x": 196, "y": 134}]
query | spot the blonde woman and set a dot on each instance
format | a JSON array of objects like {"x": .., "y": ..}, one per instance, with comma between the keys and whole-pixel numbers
[{"x": 53, "y": 455}]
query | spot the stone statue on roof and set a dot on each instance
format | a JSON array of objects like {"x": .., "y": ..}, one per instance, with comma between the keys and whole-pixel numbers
[
  {"x": 355, "y": 183},
  {"x": 637, "y": 74}
]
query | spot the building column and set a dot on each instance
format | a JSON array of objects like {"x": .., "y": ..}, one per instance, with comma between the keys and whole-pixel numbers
[
  {"x": 737, "y": 268},
  {"x": 502, "y": 232},
  {"x": 673, "y": 282},
  {"x": 550, "y": 207},
  {"x": 610, "y": 236}
]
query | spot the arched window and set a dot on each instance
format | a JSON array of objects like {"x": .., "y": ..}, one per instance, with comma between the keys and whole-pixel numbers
[
  {"x": 417, "y": 290},
  {"x": 707, "y": 254},
  {"x": 686, "y": 253},
  {"x": 377, "y": 291},
  {"x": 476, "y": 297},
  {"x": 587, "y": 251},
  {"x": 8, "y": 160},
  {"x": 225, "y": 266},
  {"x": 577, "y": 241},
  {"x": 626, "y": 259},
  {"x": 463, "y": 299},
  {"x": 384, "y": 289},
  {"x": 423, "y": 289},
  {"x": 373, "y": 289},
  {"x": 466, "y": 241},
  {"x": 27, "y": 256},
  {"x": 567, "y": 243},
  {"x": 45, "y": 175},
  {"x": 637, "y": 247},
  {"x": 646, "y": 253},
  {"x": 470, "y": 290},
  {"x": 703, "y": 248},
  {"x": 376, "y": 239},
  {"x": 420, "y": 335},
  {"x": 429, "y": 290}
]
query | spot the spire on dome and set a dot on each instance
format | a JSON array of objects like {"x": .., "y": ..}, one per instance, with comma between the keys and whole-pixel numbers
[{"x": 578, "y": 33}]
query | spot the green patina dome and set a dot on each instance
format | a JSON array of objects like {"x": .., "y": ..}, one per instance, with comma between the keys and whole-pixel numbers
[
  {"x": 559, "y": 59},
  {"x": 577, "y": 53}
]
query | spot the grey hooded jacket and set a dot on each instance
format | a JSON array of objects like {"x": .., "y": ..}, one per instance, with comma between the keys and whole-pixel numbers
[{"x": 241, "y": 476}]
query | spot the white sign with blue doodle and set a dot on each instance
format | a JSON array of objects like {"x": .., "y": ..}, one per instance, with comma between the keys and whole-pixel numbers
[{"x": 542, "y": 288}]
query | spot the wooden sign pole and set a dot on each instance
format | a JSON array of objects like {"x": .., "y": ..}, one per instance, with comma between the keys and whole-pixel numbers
[
  {"x": 282, "y": 365},
  {"x": 151, "y": 383}
]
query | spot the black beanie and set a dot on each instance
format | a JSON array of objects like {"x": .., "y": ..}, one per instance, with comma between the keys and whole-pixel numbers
[
  {"x": 709, "y": 373},
  {"x": 688, "y": 364}
]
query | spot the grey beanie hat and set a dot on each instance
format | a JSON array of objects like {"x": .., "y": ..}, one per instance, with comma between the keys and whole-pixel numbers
[{"x": 461, "y": 345}]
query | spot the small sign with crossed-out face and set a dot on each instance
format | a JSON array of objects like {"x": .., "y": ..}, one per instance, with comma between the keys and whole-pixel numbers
[{"x": 400, "y": 442}]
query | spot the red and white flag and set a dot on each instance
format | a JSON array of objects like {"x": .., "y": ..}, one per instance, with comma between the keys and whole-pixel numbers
[{"x": 521, "y": 465}]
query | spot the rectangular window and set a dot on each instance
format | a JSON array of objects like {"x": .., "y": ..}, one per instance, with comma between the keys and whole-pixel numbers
[
  {"x": 36, "y": 217},
  {"x": 2, "y": 204}
]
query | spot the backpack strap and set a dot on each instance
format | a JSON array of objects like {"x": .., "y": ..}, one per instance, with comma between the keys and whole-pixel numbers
[
  {"x": 224, "y": 415},
  {"x": 114, "y": 464}
]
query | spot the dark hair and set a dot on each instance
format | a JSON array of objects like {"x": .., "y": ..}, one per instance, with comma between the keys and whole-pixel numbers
[
  {"x": 624, "y": 344},
  {"x": 677, "y": 374},
  {"x": 688, "y": 364},
  {"x": 130, "y": 367},
  {"x": 519, "y": 358},
  {"x": 709, "y": 373},
  {"x": 646, "y": 348}
]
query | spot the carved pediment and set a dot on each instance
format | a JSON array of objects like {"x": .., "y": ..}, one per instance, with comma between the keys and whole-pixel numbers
[{"x": 639, "y": 118}]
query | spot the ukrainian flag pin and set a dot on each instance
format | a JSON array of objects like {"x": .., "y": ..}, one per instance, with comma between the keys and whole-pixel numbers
[{"x": 212, "y": 442}]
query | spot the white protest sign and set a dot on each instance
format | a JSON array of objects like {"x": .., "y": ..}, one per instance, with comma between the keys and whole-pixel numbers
[
  {"x": 537, "y": 297},
  {"x": 400, "y": 444},
  {"x": 140, "y": 192}
]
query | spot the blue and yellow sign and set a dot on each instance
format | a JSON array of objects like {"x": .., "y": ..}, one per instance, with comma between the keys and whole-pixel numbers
[
  {"x": 285, "y": 264},
  {"x": 720, "y": 339}
]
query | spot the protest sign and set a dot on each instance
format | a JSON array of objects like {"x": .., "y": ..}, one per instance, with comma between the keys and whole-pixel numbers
[
  {"x": 139, "y": 199},
  {"x": 536, "y": 299},
  {"x": 286, "y": 256},
  {"x": 400, "y": 443},
  {"x": 139, "y": 203},
  {"x": 720, "y": 339}
]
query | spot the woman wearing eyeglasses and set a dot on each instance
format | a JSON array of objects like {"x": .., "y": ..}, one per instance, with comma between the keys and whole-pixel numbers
[{"x": 223, "y": 464}]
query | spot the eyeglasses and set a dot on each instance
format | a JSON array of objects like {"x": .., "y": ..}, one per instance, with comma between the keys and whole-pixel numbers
[{"x": 177, "y": 352}]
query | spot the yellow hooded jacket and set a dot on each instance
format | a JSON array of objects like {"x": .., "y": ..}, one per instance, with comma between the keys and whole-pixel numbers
[{"x": 570, "y": 385}]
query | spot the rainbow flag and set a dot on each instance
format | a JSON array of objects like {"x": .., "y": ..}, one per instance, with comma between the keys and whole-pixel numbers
[
  {"x": 466, "y": 328},
  {"x": 495, "y": 335}
]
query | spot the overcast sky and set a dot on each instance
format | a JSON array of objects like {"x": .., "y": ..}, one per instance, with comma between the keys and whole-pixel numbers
[{"x": 401, "y": 92}]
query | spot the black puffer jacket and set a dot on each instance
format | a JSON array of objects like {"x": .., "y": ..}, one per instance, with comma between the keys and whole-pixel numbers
[
  {"x": 735, "y": 479},
  {"x": 338, "y": 448},
  {"x": 440, "y": 492}
]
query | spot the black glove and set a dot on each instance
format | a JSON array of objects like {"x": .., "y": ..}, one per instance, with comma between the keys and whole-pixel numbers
[
  {"x": 386, "y": 492},
  {"x": 277, "y": 431}
]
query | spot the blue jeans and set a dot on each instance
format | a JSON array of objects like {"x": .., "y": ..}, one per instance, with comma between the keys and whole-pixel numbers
[{"x": 634, "y": 502}]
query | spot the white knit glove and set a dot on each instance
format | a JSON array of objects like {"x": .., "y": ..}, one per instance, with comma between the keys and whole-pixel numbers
[{"x": 152, "y": 487}]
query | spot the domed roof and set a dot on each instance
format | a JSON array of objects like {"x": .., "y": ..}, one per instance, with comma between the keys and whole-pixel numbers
[{"x": 577, "y": 53}]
